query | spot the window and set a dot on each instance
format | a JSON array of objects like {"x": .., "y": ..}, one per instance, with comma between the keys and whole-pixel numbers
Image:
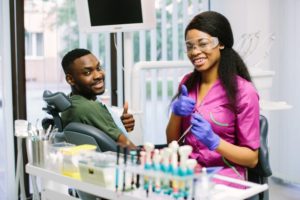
[{"x": 34, "y": 44}]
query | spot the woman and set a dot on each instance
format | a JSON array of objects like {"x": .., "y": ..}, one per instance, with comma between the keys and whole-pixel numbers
[{"x": 217, "y": 101}]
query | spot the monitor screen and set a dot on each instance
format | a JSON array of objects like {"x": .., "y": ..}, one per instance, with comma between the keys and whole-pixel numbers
[
  {"x": 115, "y": 15},
  {"x": 113, "y": 12}
]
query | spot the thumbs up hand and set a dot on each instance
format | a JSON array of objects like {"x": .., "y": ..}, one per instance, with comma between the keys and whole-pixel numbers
[
  {"x": 127, "y": 119},
  {"x": 125, "y": 108},
  {"x": 183, "y": 105}
]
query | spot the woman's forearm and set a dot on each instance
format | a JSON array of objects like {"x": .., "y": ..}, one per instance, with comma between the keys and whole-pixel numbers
[
  {"x": 240, "y": 155},
  {"x": 173, "y": 128}
]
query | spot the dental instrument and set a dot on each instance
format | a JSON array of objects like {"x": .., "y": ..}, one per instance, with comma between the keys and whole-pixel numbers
[{"x": 184, "y": 133}]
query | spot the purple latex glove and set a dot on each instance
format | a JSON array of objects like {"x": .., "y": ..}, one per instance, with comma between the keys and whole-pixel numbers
[
  {"x": 202, "y": 130},
  {"x": 183, "y": 105}
]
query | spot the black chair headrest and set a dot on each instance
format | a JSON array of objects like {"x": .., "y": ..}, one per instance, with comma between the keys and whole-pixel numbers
[{"x": 57, "y": 100}]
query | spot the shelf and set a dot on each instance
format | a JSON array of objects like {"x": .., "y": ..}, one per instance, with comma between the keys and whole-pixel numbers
[
  {"x": 274, "y": 105},
  {"x": 263, "y": 79}
]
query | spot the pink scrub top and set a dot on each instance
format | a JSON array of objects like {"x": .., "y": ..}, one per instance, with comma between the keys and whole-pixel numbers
[{"x": 240, "y": 128}]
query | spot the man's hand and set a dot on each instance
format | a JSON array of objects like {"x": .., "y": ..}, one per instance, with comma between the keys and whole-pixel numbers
[{"x": 127, "y": 119}]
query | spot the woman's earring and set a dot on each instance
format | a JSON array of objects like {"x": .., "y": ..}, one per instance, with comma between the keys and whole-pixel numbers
[{"x": 221, "y": 47}]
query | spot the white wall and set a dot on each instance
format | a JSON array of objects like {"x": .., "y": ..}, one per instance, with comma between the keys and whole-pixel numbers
[
  {"x": 281, "y": 18},
  {"x": 247, "y": 16},
  {"x": 285, "y": 20}
]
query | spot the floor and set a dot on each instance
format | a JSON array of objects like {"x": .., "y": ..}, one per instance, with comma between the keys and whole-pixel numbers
[{"x": 278, "y": 190}]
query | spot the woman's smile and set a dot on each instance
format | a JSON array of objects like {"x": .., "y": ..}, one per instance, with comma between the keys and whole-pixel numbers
[{"x": 199, "y": 61}]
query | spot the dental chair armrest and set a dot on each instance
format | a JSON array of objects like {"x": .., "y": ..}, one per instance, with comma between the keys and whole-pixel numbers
[{"x": 79, "y": 133}]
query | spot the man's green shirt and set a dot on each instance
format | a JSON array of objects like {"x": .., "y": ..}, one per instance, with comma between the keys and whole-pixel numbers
[{"x": 92, "y": 113}]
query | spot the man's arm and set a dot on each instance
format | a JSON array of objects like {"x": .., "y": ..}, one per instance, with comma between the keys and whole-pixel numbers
[{"x": 125, "y": 141}]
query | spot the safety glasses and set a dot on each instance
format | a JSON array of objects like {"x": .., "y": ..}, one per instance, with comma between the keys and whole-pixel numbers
[{"x": 201, "y": 44}]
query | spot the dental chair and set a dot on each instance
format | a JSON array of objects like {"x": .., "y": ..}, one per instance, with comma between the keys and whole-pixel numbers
[{"x": 75, "y": 132}]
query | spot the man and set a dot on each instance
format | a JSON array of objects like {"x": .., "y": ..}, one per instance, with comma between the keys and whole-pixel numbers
[{"x": 85, "y": 75}]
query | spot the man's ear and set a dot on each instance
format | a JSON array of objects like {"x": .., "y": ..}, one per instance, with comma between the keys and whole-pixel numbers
[{"x": 70, "y": 79}]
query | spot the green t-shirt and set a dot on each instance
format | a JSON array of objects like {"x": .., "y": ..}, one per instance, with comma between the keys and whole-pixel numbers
[{"x": 92, "y": 113}]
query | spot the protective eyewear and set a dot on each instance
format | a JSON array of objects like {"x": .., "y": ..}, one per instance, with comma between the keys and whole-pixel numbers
[{"x": 201, "y": 44}]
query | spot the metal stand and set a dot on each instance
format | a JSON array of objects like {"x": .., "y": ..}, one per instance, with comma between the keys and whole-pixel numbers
[{"x": 20, "y": 172}]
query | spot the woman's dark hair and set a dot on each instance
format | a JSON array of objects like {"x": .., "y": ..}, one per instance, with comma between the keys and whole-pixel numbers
[
  {"x": 71, "y": 56},
  {"x": 231, "y": 64}
]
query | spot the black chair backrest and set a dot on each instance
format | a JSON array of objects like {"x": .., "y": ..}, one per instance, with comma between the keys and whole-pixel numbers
[
  {"x": 264, "y": 163},
  {"x": 56, "y": 103},
  {"x": 78, "y": 133},
  {"x": 263, "y": 168},
  {"x": 262, "y": 171}
]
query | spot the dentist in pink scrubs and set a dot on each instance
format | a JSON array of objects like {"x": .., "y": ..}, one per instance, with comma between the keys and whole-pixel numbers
[{"x": 217, "y": 101}]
